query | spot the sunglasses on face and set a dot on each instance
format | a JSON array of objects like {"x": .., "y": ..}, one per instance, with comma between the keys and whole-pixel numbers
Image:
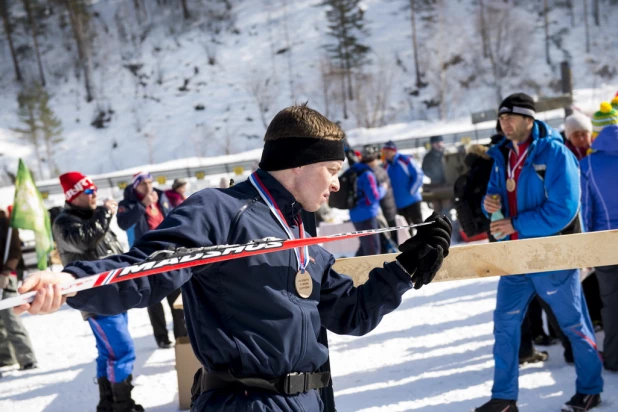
[{"x": 91, "y": 191}]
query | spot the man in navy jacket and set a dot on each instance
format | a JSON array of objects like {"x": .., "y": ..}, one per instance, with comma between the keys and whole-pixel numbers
[
  {"x": 535, "y": 184},
  {"x": 253, "y": 327},
  {"x": 143, "y": 208}
]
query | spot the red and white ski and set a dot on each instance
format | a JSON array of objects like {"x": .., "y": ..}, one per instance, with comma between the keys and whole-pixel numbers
[{"x": 168, "y": 260}]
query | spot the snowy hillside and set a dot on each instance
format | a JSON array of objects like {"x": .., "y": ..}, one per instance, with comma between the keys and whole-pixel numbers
[
  {"x": 153, "y": 79},
  {"x": 434, "y": 354}
]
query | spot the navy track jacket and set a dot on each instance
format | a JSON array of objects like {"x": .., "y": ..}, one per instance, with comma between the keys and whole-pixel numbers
[{"x": 244, "y": 315}]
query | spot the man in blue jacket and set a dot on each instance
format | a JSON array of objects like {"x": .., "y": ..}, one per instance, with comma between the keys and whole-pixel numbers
[
  {"x": 253, "y": 327},
  {"x": 600, "y": 212},
  {"x": 364, "y": 213},
  {"x": 407, "y": 180},
  {"x": 535, "y": 184},
  {"x": 143, "y": 209}
]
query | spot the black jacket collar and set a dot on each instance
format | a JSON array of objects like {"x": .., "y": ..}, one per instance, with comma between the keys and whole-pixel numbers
[
  {"x": 80, "y": 212},
  {"x": 285, "y": 201}
]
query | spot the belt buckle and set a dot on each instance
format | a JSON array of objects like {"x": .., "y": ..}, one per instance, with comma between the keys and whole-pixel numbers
[{"x": 292, "y": 382}]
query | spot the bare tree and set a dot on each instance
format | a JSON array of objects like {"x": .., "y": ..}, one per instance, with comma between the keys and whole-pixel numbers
[
  {"x": 484, "y": 38},
  {"x": 587, "y": 26},
  {"x": 571, "y": 11},
  {"x": 415, "y": 42},
  {"x": 288, "y": 53},
  {"x": 150, "y": 138},
  {"x": 185, "y": 10},
  {"x": 33, "y": 30},
  {"x": 264, "y": 92},
  {"x": 509, "y": 36},
  {"x": 546, "y": 20},
  {"x": 78, "y": 17},
  {"x": 596, "y": 12},
  {"x": 373, "y": 92},
  {"x": 8, "y": 29}
]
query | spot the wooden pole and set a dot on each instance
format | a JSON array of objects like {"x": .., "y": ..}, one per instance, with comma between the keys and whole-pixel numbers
[{"x": 507, "y": 258}]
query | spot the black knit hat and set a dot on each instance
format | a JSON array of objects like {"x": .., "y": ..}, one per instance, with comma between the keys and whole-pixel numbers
[{"x": 518, "y": 103}]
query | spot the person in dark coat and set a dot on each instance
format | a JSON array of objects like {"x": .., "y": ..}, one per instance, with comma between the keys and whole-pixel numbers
[
  {"x": 15, "y": 344},
  {"x": 433, "y": 162},
  {"x": 82, "y": 232},
  {"x": 142, "y": 210},
  {"x": 259, "y": 317}
]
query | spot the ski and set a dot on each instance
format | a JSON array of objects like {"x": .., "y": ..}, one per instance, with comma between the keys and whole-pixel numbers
[{"x": 182, "y": 258}]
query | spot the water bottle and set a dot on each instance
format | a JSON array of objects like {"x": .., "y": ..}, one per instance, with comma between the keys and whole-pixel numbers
[{"x": 497, "y": 216}]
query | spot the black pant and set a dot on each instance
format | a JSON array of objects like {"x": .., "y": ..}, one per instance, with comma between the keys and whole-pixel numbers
[
  {"x": 608, "y": 284},
  {"x": 369, "y": 245},
  {"x": 412, "y": 214},
  {"x": 157, "y": 319}
]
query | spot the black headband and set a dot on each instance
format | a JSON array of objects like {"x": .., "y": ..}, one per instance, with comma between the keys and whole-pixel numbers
[{"x": 293, "y": 152}]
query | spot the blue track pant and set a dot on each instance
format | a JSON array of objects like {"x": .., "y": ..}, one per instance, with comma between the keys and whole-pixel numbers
[
  {"x": 562, "y": 291},
  {"x": 115, "y": 346}
]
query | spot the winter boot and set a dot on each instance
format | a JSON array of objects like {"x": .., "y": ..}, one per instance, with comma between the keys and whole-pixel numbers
[
  {"x": 581, "y": 402},
  {"x": 106, "y": 397},
  {"x": 122, "y": 397},
  {"x": 498, "y": 405},
  {"x": 536, "y": 356}
]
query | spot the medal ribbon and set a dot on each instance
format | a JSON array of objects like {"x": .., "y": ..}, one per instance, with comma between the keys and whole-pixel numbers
[
  {"x": 302, "y": 254},
  {"x": 511, "y": 172}
]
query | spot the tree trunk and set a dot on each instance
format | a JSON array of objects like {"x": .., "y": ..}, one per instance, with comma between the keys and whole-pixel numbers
[
  {"x": 185, "y": 10},
  {"x": 587, "y": 26},
  {"x": 32, "y": 23},
  {"x": 345, "y": 53},
  {"x": 571, "y": 11},
  {"x": 415, "y": 44},
  {"x": 546, "y": 12},
  {"x": 83, "y": 54},
  {"x": 483, "y": 29},
  {"x": 9, "y": 35},
  {"x": 596, "y": 12},
  {"x": 289, "y": 51},
  {"x": 343, "y": 77}
]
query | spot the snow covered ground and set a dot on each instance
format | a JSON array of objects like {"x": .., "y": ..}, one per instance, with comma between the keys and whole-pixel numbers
[{"x": 432, "y": 354}]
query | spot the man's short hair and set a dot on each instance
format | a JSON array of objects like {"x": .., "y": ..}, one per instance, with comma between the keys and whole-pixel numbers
[{"x": 302, "y": 121}]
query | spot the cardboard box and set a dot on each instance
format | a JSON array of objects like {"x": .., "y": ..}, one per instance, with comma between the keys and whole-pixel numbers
[{"x": 186, "y": 366}]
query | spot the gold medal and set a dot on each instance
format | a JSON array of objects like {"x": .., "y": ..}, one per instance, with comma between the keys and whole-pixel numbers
[
  {"x": 304, "y": 284},
  {"x": 510, "y": 185}
]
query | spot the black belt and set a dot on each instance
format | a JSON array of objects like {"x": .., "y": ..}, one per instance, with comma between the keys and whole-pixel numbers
[{"x": 290, "y": 384}]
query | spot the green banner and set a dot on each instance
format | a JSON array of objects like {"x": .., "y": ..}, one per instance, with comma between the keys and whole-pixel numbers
[{"x": 29, "y": 213}]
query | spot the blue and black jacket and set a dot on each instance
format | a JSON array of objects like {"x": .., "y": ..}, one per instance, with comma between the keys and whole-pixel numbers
[
  {"x": 548, "y": 190},
  {"x": 244, "y": 315},
  {"x": 369, "y": 193}
]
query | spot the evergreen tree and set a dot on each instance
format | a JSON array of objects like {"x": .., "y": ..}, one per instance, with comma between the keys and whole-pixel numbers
[
  {"x": 346, "y": 26},
  {"x": 27, "y": 114},
  {"x": 51, "y": 129}
]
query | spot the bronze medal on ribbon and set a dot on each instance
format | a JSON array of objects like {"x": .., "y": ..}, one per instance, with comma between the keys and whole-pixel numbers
[
  {"x": 510, "y": 185},
  {"x": 304, "y": 284}
]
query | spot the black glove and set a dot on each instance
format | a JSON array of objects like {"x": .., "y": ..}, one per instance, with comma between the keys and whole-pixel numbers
[
  {"x": 434, "y": 235},
  {"x": 422, "y": 255},
  {"x": 424, "y": 262}
]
